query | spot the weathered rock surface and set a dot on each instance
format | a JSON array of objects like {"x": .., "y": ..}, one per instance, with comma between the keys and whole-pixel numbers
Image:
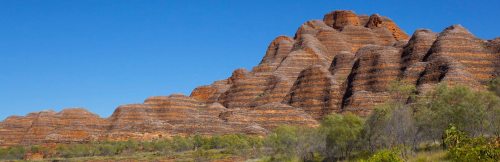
[
  {"x": 458, "y": 45},
  {"x": 343, "y": 63},
  {"x": 374, "y": 69},
  {"x": 69, "y": 125},
  {"x": 315, "y": 91},
  {"x": 164, "y": 116}
]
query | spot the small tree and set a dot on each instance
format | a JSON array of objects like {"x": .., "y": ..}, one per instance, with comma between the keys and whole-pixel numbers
[
  {"x": 163, "y": 146},
  {"x": 234, "y": 143},
  {"x": 494, "y": 86},
  {"x": 198, "y": 141},
  {"x": 474, "y": 112},
  {"x": 463, "y": 148},
  {"x": 105, "y": 149},
  {"x": 311, "y": 142},
  {"x": 342, "y": 134},
  {"x": 13, "y": 153},
  {"x": 283, "y": 141},
  {"x": 385, "y": 155},
  {"x": 180, "y": 144},
  {"x": 392, "y": 124}
]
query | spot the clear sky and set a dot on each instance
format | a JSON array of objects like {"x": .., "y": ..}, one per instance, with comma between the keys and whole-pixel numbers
[{"x": 99, "y": 54}]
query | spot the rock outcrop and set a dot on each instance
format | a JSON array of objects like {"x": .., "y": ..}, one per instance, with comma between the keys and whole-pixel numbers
[
  {"x": 69, "y": 125},
  {"x": 343, "y": 63},
  {"x": 374, "y": 69}
]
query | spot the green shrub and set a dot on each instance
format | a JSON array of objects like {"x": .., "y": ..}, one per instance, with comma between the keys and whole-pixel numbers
[
  {"x": 463, "y": 148},
  {"x": 148, "y": 146},
  {"x": 3, "y": 153},
  {"x": 235, "y": 143},
  {"x": 41, "y": 149},
  {"x": 342, "y": 134},
  {"x": 180, "y": 144},
  {"x": 198, "y": 141},
  {"x": 385, "y": 156},
  {"x": 494, "y": 86},
  {"x": 162, "y": 146},
  {"x": 474, "y": 112},
  {"x": 108, "y": 149},
  {"x": 127, "y": 147},
  {"x": 256, "y": 143},
  {"x": 392, "y": 124},
  {"x": 213, "y": 143},
  {"x": 82, "y": 150},
  {"x": 36, "y": 149},
  {"x": 76, "y": 150},
  {"x": 283, "y": 140},
  {"x": 12, "y": 153}
]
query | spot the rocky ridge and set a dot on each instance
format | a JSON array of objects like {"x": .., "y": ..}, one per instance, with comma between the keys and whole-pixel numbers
[{"x": 343, "y": 63}]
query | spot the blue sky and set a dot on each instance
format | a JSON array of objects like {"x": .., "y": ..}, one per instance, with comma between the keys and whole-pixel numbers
[{"x": 99, "y": 54}]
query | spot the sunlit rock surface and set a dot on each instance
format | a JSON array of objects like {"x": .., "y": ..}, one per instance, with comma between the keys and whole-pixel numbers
[{"x": 343, "y": 63}]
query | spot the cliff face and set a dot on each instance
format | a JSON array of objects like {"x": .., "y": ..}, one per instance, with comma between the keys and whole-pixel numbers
[{"x": 343, "y": 63}]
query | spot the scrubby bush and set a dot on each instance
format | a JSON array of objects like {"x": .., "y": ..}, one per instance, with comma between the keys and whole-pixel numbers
[
  {"x": 392, "y": 124},
  {"x": 76, "y": 150},
  {"x": 3, "y": 152},
  {"x": 12, "y": 153},
  {"x": 463, "y": 148},
  {"x": 199, "y": 141},
  {"x": 163, "y": 146},
  {"x": 229, "y": 144},
  {"x": 474, "y": 112},
  {"x": 335, "y": 139},
  {"x": 108, "y": 150},
  {"x": 290, "y": 143},
  {"x": 342, "y": 134},
  {"x": 311, "y": 144},
  {"x": 386, "y": 155},
  {"x": 128, "y": 147},
  {"x": 283, "y": 140},
  {"x": 494, "y": 86},
  {"x": 44, "y": 150},
  {"x": 234, "y": 143},
  {"x": 406, "y": 122},
  {"x": 255, "y": 142},
  {"x": 182, "y": 143}
]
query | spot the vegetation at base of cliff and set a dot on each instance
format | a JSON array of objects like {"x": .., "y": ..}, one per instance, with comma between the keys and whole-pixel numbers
[
  {"x": 198, "y": 146},
  {"x": 401, "y": 129},
  {"x": 494, "y": 86},
  {"x": 448, "y": 123},
  {"x": 464, "y": 148},
  {"x": 11, "y": 153}
]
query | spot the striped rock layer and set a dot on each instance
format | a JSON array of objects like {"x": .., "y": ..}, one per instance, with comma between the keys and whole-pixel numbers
[{"x": 343, "y": 63}]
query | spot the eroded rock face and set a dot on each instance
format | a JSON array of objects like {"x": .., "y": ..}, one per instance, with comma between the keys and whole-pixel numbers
[
  {"x": 69, "y": 125},
  {"x": 458, "y": 45},
  {"x": 374, "y": 69},
  {"x": 340, "y": 19},
  {"x": 315, "y": 91},
  {"x": 343, "y": 63},
  {"x": 418, "y": 46},
  {"x": 164, "y": 116}
]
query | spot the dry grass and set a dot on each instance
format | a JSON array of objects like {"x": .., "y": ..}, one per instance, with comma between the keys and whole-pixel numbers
[
  {"x": 188, "y": 156},
  {"x": 429, "y": 156}
]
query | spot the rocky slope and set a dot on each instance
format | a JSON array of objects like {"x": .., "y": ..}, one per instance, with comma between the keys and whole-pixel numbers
[{"x": 343, "y": 63}]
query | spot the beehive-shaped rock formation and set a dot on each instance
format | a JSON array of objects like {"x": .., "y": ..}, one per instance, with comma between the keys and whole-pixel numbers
[
  {"x": 373, "y": 71},
  {"x": 315, "y": 91},
  {"x": 69, "y": 125},
  {"x": 343, "y": 63},
  {"x": 458, "y": 44}
]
